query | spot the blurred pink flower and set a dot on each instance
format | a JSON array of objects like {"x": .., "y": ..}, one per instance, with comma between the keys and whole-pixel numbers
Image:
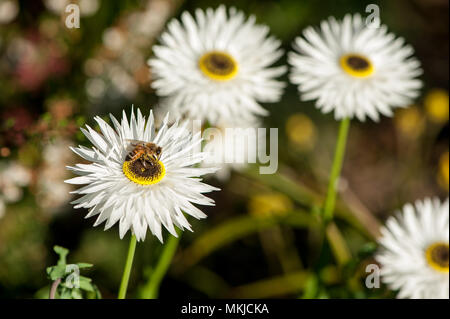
[{"x": 35, "y": 59}]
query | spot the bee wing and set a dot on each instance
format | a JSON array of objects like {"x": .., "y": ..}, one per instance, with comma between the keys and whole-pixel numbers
[{"x": 135, "y": 142}]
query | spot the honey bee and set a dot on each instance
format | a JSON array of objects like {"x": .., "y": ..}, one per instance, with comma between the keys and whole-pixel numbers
[{"x": 145, "y": 152}]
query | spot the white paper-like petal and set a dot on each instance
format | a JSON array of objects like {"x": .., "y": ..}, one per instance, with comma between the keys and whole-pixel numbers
[
  {"x": 113, "y": 198},
  {"x": 403, "y": 242},
  {"x": 319, "y": 76},
  {"x": 178, "y": 78}
]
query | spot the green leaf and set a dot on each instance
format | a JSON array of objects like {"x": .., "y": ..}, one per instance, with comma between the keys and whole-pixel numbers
[
  {"x": 94, "y": 294},
  {"x": 60, "y": 271},
  {"x": 65, "y": 293},
  {"x": 56, "y": 272},
  {"x": 86, "y": 284},
  {"x": 62, "y": 252},
  {"x": 84, "y": 265},
  {"x": 76, "y": 294},
  {"x": 82, "y": 278}
]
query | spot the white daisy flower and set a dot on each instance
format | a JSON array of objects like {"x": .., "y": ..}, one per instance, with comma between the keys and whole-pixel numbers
[
  {"x": 354, "y": 70},
  {"x": 141, "y": 185},
  {"x": 415, "y": 250},
  {"x": 214, "y": 66}
]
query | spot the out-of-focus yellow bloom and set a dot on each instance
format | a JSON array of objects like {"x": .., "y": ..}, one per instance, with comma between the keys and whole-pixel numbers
[
  {"x": 443, "y": 173},
  {"x": 265, "y": 205},
  {"x": 330, "y": 274},
  {"x": 410, "y": 122},
  {"x": 436, "y": 105},
  {"x": 301, "y": 131}
]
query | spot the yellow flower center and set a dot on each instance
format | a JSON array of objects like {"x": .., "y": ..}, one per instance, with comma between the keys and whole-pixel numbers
[
  {"x": 356, "y": 65},
  {"x": 437, "y": 256},
  {"x": 144, "y": 173},
  {"x": 218, "y": 66}
]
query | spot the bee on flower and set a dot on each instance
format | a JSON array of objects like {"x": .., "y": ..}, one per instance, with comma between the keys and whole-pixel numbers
[{"x": 141, "y": 178}]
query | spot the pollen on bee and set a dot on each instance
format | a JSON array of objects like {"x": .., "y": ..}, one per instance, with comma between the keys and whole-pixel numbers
[{"x": 142, "y": 172}]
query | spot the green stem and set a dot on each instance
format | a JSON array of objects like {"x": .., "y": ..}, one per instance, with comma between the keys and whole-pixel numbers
[
  {"x": 151, "y": 289},
  {"x": 336, "y": 169},
  {"x": 127, "y": 270},
  {"x": 338, "y": 245}
]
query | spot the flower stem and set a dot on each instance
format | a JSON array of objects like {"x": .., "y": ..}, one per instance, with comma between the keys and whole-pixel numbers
[
  {"x": 127, "y": 270},
  {"x": 337, "y": 243},
  {"x": 53, "y": 288},
  {"x": 151, "y": 289},
  {"x": 336, "y": 169}
]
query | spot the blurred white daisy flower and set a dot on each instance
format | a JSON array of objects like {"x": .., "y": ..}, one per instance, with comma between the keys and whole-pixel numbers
[
  {"x": 231, "y": 146},
  {"x": 214, "y": 66},
  {"x": 52, "y": 193},
  {"x": 146, "y": 189},
  {"x": 415, "y": 250},
  {"x": 354, "y": 70},
  {"x": 16, "y": 174},
  {"x": 8, "y": 11},
  {"x": 13, "y": 177}
]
